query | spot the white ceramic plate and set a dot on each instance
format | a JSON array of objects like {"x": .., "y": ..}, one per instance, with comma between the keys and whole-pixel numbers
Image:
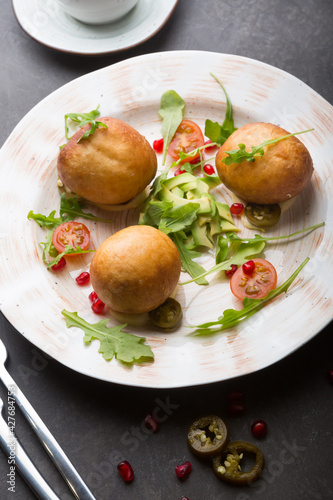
[
  {"x": 32, "y": 297},
  {"x": 48, "y": 24}
]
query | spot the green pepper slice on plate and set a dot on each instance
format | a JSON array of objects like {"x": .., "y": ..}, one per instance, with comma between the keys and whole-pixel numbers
[{"x": 263, "y": 215}]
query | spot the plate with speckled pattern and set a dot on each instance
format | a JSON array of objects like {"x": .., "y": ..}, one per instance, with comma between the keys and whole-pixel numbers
[{"x": 32, "y": 298}]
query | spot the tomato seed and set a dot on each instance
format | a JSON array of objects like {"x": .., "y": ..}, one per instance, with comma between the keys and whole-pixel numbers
[
  {"x": 209, "y": 169},
  {"x": 83, "y": 278},
  {"x": 98, "y": 306},
  {"x": 259, "y": 429},
  {"x": 231, "y": 271},
  {"x": 60, "y": 265},
  {"x": 183, "y": 470},
  {"x": 248, "y": 267},
  {"x": 237, "y": 209},
  {"x": 93, "y": 296},
  {"x": 126, "y": 470},
  {"x": 151, "y": 423},
  {"x": 158, "y": 145}
]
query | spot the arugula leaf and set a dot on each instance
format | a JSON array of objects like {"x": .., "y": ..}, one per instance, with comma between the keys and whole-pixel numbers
[
  {"x": 48, "y": 221},
  {"x": 239, "y": 155},
  {"x": 242, "y": 255},
  {"x": 178, "y": 218},
  {"x": 190, "y": 167},
  {"x": 222, "y": 249},
  {"x": 171, "y": 111},
  {"x": 70, "y": 208},
  {"x": 48, "y": 247},
  {"x": 68, "y": 250},
  {"x": 220, "y": 133},
  {"x": 114, "y": 342},
  {"x": 186, "y": 256},
  {"x": 232, "y": 317},
  {"x": 259, "y": 237},
  {"x": 155, "y": 211},
  {"x": 83, "y": 119}
]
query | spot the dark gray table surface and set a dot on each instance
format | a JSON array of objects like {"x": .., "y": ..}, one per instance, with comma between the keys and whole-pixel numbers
[{"x": 97, "y": 423}]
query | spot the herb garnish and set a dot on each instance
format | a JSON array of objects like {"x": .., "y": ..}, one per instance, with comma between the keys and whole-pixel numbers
[
  {"x": 171, "y": 111},
  {"x": 82, "y": 119},
  {"x": 114, "y": 342}
]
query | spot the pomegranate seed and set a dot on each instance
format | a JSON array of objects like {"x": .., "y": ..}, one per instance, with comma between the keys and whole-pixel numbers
[
  {"x": 158, "y": 145},
  {"x": 184, "y": 498},
  {"x": 194, "y": 161},
  {"x": 179, "y": 172},
  {"x": 151, "y": 423},
  {"x": 231, "y": 271},
  {"x": 209, "y": 169},
  {"x": 209, "y": 148},
  {"x": 259, "y": 429},
  {"x": 125, "y": 470},
  {"x": 330, "y": 376},
  {"x": 60, "y": 265},
  {"x": 248, "y": 267},
  {"x": 235, "y": 405},
  {"x": 83, "y": 278},
  {"x": 93, "y": 296},
  {"x": 237, "y": 208},
  {"x": 98, "y": 306},
  {"x": 183, "y": 470}
]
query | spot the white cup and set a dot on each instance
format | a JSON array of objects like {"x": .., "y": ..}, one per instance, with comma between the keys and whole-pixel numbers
[{"x": 97, "y": 11}]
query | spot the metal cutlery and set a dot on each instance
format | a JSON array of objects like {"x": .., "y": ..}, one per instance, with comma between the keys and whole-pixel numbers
[
  {"x": 31, "y": 475},
  {"x": 74, "y": 481}
]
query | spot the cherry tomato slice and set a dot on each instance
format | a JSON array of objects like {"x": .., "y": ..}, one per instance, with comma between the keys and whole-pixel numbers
[
  {"x": 188, "y": 136},
  {"x": 258, "y": 284},
  {"x": 71, "y": 233}
]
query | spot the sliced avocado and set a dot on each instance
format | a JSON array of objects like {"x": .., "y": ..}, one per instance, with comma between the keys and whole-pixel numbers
[
  {"x": 226, "y": 226},
  {"x": 179, "y": 180},
  {"x": 200, "y": 237},
  {"x": 215, "y": 226},
  {"x": 224, "y": 211},
  {"x": 212, "y": 181},
  {"x": 177, "y": 191},
  {"x": 166, "y": 195}
]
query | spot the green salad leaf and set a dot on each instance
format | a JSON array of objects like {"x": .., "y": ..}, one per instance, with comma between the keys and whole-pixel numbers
[
  {"x": 239, "y": 155},
  {"x": 259, "y": 237},
  {"x": 232, "y": 317},
  {"x": 178, "y": 218},
  {"x": 114, "y": 342},
  {"x": 220, "y": 133},
  {"x": 69, "y": 250},
  {"x": 71, "y": 208},
  {"x": 188, "y": 264},
  {"x": 47, "y": 221},
  {"x": 171, "y": 111},
  {"x": 82, "y": 119}
]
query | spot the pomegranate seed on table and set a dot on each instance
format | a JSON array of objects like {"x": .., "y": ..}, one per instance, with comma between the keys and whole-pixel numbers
[
  {"x": 259, "y": 429},
  {"x": 179, "y": 172},
  {"x": 237, "y": 209},
  {"x": 184, "y": 498},
  {"x": 248, "y": 267},
  {"x": 60, "y": 265},
  {"x": 330, "y": 376},
  {"x": 183, "y": 470},
  {"x": 209, "y": 169},
  {"x": 93, "y": 296},
  {"x": 151, "y": 423},
  {"x": 98, "y": 306},
  {"x": 158, "y": 145},
  {"x": 125, "y": 470},
  {"x": 231, "y": 271},
  {"x": 235, "y": 406},
  {"x": 209, "y": 148},
  {"x": 83, "y": 278}
]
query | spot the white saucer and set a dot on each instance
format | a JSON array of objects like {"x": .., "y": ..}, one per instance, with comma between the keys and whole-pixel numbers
[{"x": 48, "y": 24}]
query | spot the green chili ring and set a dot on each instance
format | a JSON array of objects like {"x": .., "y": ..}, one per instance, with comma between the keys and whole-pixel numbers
[
  {"x": 204, "y": 445},
  {"x": 229, "y": 470}
]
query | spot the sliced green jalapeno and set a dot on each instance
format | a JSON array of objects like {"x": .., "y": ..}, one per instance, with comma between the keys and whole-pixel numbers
[
  {"x": 227, "y": 466},
  {"x": 167, "y": 315},
  {"x": 263, "y": 215},
  {"x": 207, "y": 435}
]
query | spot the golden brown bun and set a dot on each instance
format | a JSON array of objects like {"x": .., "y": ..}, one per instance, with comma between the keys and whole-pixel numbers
[
  {"x": 280, "y": 174},
  {"x": 112, "y": 166},
  {"x": 135, "y": 270}
]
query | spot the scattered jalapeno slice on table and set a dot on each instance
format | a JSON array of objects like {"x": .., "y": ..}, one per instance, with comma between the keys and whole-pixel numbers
[
  {"x": 207, "y": 436},
  {"x": 227, "y": 466},
  {"x": 263, "y": 215},
  {"x": 167, "y": 315}
]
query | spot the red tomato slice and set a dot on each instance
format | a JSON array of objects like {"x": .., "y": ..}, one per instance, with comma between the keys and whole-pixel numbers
[
  {"x": 258, "y": 284},
  {"x": 188, "y": 136},
  {"x": 71, "y": 233}
]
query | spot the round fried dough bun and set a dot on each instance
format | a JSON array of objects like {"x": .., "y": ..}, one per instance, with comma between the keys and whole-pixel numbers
[
  {"x": 135, "y": 270},
  {"x": 111, "y": 166},
  {"x": 280, "y": 174}
]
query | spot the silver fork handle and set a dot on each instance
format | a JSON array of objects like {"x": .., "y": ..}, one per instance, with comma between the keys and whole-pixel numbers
[
  {"x": 74, "y": 481},
  {"x": 26, "y": 468}
]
